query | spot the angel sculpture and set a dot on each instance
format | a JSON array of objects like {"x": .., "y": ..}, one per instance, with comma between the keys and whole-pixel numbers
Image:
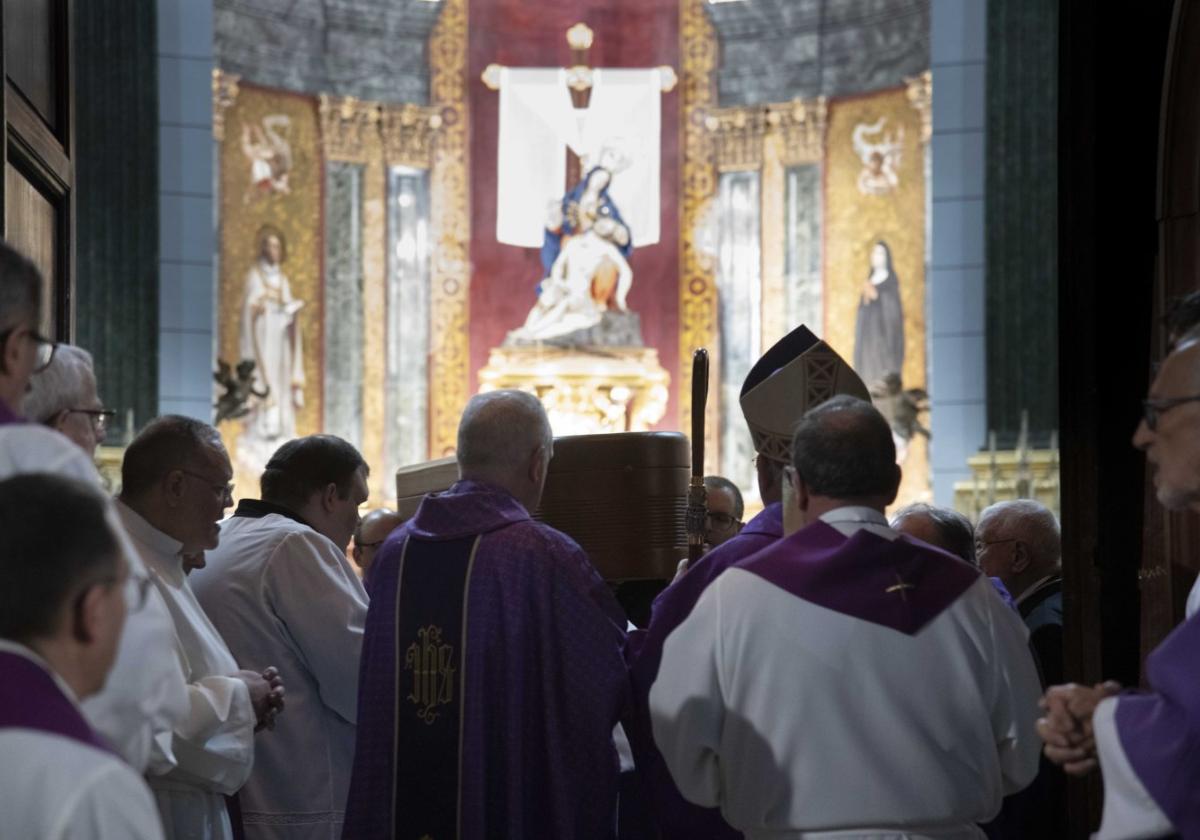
[
  {"x": 234, "y": 403},
  {"x": 902, "y": 408}
]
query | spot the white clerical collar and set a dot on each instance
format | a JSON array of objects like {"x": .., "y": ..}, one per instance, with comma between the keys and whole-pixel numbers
[
  {"x": 9, "y": 646},
  {"x": 854, "y": 513},
  {"x": 163, "y": 545}
]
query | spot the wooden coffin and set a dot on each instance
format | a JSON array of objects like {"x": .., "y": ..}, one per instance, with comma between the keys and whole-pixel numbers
[{"x": 622, "y": 497}]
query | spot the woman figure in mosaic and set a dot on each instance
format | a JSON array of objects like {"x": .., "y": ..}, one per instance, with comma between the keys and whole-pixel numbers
[{"x": 879, "y": 328}]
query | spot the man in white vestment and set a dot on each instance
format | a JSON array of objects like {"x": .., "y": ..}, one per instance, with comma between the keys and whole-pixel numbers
[
  {"x": 62, "y": 606},
  {"x": 280, "y": 589},
  {"x": 1147, "y": 743},
  {"x": 175, "y": 487},
  {"x": 146, "y": 694},
  {"x": 847, "y": 680}
]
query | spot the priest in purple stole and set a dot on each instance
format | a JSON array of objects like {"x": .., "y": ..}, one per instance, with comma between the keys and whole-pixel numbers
[
  {"x": 797, "y": 373},
  {"x": 62, "y": 607},
  {"x": 847, "y": 680},
  {"x": 491, "y": 676},
  {"x": 1147, "y": 744}
]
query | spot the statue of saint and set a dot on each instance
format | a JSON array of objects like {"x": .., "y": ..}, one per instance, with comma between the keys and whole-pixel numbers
[{"x": 270, "y": 336}]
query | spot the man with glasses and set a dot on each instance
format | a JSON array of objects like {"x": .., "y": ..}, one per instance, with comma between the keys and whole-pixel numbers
[
  {"x": 175, "y": 489},
  {"x": 798, "y": 372},
  {"x": 725, "y": 509},
  {"x": 63, "y": 396},
  {"x": 62, "y": 607},
  {"x": 279, "y": 589},
  {"x": 146, "y": 694},
  {"x": 370, "y": 534},
  {"x": 1147, "y": 744}
]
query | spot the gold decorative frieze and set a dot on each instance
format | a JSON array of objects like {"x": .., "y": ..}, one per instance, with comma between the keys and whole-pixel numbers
[
  {"x": 449, "y": 374},
  {"x": 224, "y": 91},
  {"x": 737, "y": 137},
  {"x": 697, "y": 284},
  {"x": 800, "y": 125},
  {"x": 349, "y": 127},
  {"x": 920, "y": 95},
  {"x": 408, "y": 132}
]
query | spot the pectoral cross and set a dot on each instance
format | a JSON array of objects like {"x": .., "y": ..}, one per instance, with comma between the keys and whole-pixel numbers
[{"x": 900, "y": 587}]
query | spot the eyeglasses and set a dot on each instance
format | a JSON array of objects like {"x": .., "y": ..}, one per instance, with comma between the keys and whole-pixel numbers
[
  {"x": 45, "y": 347},
  {"x": 100, "y": 417},
  {"x": 224, "y": 491},
  {"x": 720, "y": 521},
  {"x": 980, "y": 545},
  {"x": 1153, "y": 409}
]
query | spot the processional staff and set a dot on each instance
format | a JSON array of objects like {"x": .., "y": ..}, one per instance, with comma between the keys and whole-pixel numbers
[{"x": 697, "y": 507}]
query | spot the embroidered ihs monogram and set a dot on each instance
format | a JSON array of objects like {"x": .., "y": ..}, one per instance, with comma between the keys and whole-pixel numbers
[{"x": 432, "y": 665}]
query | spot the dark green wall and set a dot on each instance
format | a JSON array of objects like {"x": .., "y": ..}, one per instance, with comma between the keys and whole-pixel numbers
[
  {"x": 1021, "y": 220},
  {"x": 116, "y": 217}
]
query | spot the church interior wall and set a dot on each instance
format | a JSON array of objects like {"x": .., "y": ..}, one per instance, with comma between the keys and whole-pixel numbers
[
  {"x": 957, "y": 376},
  {"x": 187, "y": 246}
]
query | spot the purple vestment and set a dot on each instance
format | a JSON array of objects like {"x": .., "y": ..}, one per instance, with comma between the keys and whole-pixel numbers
[
  {"x": 31, "y": 699},
  {"x": 8, "y": 417},
  {"x": 902, "y": 583},
  {"x": 1160, "y": 730},
  {"x": 540, "y": 681},
  {"x": 676, "y": 816}
]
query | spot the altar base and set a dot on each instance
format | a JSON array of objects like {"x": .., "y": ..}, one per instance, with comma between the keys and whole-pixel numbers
[{"x": 585, "y": 390}]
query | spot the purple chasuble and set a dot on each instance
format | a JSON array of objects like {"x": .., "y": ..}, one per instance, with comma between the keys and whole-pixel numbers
[
  {"x": 31, "y": 699},
  {"x": 677, "y": 817},
  {"x": 902, "y": 583},
  {"x": 498, "y": 625},
  {"x": 8, "y": 417},
  {"x": 1160, "y": 730}
]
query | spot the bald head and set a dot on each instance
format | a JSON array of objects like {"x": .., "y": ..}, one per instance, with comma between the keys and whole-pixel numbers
[
  {"x": 1018, "y": 542},
  {"x": 504, "y": 439},
  {"x": 371, "y": 533}
]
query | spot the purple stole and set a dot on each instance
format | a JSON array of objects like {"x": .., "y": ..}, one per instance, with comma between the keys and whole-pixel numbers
[
  {"x": 8, "y": 417},
  {"x": 902, "y": 584},
  {"x": 31, "y": 699},
  {"x": 1160, "y": 731}
]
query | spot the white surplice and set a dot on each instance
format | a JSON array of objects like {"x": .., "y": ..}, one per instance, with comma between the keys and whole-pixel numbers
[
  {"x": 56, "y": 788},
  {"x": 145, "y": 695},
  {"x": 214, "y": 744},
  {"x": 282, "y": 594},
  {"x": 801, "y": 721},
  {"x": 1130, "y": 812}
]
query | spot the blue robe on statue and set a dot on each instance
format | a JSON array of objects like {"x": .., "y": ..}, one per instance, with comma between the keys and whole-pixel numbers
[
  {"x": 552, "y": 240},
  {"x": 491, "y": 680}
]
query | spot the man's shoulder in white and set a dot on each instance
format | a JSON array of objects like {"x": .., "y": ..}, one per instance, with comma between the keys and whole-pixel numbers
[
  {"x": 30, "y": 447},
  {"x": 65, "y": 789}
]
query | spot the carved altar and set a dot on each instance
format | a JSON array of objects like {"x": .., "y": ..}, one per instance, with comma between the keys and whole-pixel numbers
[{"x": 585, "y": 390}]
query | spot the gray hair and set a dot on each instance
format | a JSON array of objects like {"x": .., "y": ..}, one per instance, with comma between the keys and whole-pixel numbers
[
  {"x": 167, "y": 443},
  {"x": 956, "y": 532},
  {"x": 498, "y": 432},
  {"x": 61, "y": 385},
  {"x": 20, "y": 289},
  {"x": 1031, "y": 522},
  {"x": 843, "y": 449}
]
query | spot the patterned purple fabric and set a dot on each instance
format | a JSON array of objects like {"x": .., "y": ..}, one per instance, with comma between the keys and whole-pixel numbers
[
  {"x": 1160, "y": 730},
  {"x": 8, "y": 417},
  {"x": 677, "y": 817},
  {"x": 902, "y": 584},
  {"x": 545, "y": 679},
  {"x": 30, "y": 699}
]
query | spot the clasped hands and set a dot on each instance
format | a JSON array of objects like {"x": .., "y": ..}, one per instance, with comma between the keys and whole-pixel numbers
[
  {"x": 266, "y": 695},
  {"x": 1067, "y": 728}
]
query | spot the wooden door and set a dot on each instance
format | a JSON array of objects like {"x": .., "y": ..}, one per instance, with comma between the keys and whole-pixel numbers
[{"x": 38, "y": 148}]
